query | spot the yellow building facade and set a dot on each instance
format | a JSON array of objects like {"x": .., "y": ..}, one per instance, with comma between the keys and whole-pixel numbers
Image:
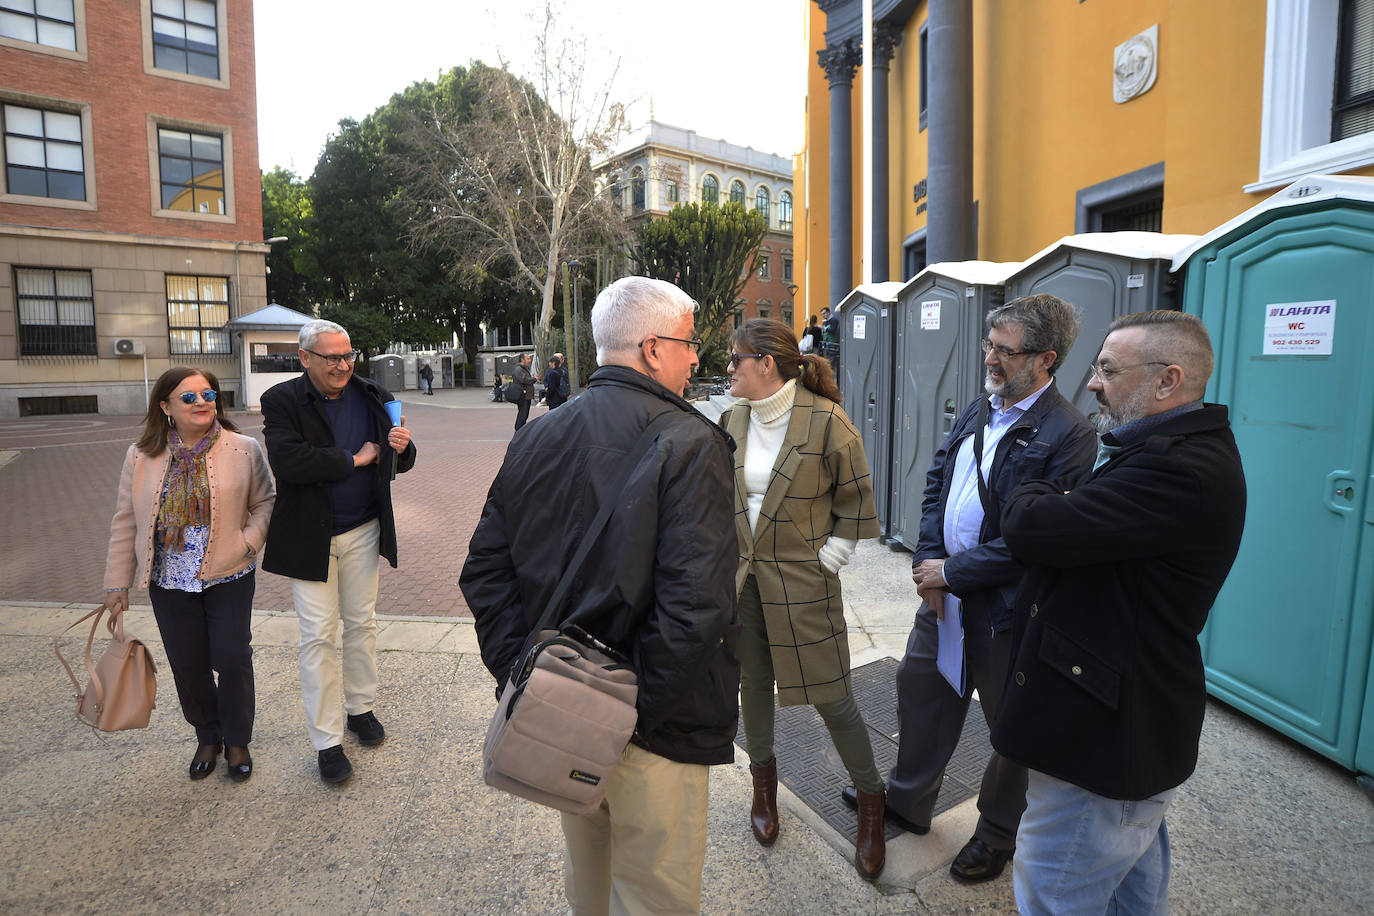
[{"x": 1086, "y": 115}]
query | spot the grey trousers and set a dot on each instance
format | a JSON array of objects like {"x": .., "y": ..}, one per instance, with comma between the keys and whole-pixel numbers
[{"x": 931, "y": 718}]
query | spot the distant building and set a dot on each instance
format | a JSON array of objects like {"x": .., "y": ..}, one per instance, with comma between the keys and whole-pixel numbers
[
  {"x": 130, "y": 198},
  {"x": 669, "y": 165}
]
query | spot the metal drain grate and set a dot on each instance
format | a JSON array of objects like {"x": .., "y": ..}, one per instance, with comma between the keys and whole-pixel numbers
[{"x": 809, "y": 765}]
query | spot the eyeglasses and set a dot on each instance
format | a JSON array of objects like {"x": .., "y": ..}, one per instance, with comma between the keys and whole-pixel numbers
[
  {"x": 1107, "y": 373},
  {"x": 208, "y": 396},
  {"x": 737, "y": 358},
  {"x": 333, "y": 359},
  {"x": 1005, "y": 352},
  {"x": 693, "y": 343}
]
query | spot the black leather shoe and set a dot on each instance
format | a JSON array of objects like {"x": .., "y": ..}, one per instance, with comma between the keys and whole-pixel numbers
[
  {"x": 240, "y": 763},
  {"x": 978, "y": 861},
  {"x": 851, "y": 798},
  {"x": 334, "y": 765},
  {"x": 203, "y": 764},
  {"x": 369, "y": 730}
]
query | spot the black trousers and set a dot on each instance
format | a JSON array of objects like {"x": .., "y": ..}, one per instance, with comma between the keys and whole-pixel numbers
[
  {"x": 522, "y": 412},
  {"x": 205, "y": 632}
]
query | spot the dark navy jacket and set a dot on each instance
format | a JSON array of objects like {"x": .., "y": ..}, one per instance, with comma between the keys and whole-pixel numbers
[{"x": 1051, "y": 440}]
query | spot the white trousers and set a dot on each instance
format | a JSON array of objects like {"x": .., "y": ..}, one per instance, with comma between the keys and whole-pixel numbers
[
  {"x": 643, "y": 850},
  {"x": 348, "y": 595}
]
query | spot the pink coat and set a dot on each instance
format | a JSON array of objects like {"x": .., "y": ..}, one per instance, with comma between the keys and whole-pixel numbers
[{"x": 241, "y": 495}]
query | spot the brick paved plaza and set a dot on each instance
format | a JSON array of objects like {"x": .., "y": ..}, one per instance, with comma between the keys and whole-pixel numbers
[{"x": 58, "y": 490}]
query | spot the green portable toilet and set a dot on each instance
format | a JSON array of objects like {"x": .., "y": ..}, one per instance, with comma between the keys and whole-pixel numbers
[
  {"x": 1106, "y": 275},
  {"x": 1287, "y": 291},
  {"x": 937, "y": 371},
  {"x": 865, "y": 377}
]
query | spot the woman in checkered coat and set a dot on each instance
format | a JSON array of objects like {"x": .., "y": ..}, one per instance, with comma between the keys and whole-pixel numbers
[{"x": 803, "y": 498}]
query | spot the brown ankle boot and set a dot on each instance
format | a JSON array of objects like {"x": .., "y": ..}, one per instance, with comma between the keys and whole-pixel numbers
[
  {"x": 763, "y": 816},
  {"x": 870, "y": 847}
]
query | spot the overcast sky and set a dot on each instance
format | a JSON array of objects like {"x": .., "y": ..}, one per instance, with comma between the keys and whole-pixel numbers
[{"x": 731, "y": 69}]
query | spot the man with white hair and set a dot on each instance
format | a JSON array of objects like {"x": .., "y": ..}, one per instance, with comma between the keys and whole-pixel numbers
[
  {"x": 1106, "y": 696},
  {"x": 334, "y": 453},
  {"x": 659, "y": 588}
]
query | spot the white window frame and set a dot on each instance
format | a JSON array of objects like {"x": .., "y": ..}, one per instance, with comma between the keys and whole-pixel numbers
[
  {"x": 1295, "y": 125},
  {"x": 87, "y": 153},
  {"x": 78, "y": 23}
]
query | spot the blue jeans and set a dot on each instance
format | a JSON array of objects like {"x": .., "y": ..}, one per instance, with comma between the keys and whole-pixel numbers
[{"x": 1081, "y": 853}]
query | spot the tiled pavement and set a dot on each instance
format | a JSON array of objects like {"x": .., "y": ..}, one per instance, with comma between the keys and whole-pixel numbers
[{"x": 63, "y": 472}]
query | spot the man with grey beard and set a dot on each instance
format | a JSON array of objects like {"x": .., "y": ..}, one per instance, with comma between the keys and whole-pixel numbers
[
  {"x": 1023, "y": 429},
  {"x": 1106, "y": 703}
]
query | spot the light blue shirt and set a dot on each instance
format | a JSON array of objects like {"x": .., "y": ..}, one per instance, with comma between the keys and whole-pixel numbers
[{"x": 964, "y": 509}]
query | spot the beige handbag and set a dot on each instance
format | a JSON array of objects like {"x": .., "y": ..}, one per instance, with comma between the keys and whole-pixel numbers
[
  {"x": 568, "y": 710},
  {"x": 122, "y": 692}
]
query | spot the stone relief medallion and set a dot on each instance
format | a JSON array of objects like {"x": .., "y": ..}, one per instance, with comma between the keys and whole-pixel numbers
[{"x": 1135, "y": 65}]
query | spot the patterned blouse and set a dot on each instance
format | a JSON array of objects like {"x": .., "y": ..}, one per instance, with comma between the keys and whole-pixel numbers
[{"x": 177, "y": 569}]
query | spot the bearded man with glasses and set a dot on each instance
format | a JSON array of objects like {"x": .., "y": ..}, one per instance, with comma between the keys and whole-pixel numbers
[
  {"x": 1021, "y": 429},
  {"x": 1106, "y": 701},
  {"x": 334, "y": 453}
]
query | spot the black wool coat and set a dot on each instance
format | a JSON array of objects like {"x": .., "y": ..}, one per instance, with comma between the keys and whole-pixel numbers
[
  {"x": 659, "y": 586},
  {"x": 1106, "y": 688},
  {"x": 307, "y": 463}
]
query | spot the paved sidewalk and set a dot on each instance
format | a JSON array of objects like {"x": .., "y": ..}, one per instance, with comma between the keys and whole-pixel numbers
[{"x": 1264, "y": 827}]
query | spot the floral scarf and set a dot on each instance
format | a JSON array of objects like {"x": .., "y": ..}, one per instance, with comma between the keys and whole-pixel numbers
[{"x": 187, "y": 498}]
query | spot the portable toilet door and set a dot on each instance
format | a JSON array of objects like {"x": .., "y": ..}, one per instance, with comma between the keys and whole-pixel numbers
[
  {"x": 937, "y": 370},
  {"x": 1106, "y": 275},
  {"x": 1285, "y": 291},
  {"x": 865, "y": 378}
]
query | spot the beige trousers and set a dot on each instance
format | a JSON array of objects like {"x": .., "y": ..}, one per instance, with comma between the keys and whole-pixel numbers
[
  {"x": 348, "y": 595},
  {"x": 643, "y": 851}
]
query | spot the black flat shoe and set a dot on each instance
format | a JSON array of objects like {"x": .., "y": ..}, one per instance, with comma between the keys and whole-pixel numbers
[
  {"x": 978, "y": 861},
  {"x": 203, "y": 764},
  {"x": 850, "y": 798},
  {"x": 240, "y": 763}
]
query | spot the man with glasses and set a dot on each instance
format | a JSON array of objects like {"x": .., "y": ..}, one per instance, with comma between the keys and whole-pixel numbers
[
  {"x": 334, "y": 453},
  {"x": 1106, "y": 698},
  {"x": 658, "y": 586},
  {"x": 1021, "y": 429}
]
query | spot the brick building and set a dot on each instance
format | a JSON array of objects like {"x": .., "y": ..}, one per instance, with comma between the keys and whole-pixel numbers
[
  {"x": 667, "y": 166},
  {"x": 130, "y": 198}
]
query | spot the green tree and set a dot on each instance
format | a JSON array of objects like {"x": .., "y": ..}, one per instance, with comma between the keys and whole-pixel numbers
[
  {"x": 292, "y": 272},
  {"x": 369, "y": 328},
  {"x": 709, "y": 251}
]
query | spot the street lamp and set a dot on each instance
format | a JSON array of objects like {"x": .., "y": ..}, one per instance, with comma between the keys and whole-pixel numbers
[{"x": 576, "y": 267}]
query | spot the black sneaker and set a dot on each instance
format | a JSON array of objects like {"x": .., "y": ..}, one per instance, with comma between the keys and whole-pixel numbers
[
  {"x": 369, "y": 730},
  {"x": 334, "y": 765}
]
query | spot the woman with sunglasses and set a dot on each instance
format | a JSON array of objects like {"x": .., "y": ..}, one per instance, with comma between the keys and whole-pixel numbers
[
  {"x": 803, "y": 498},
  {"x": 194, "y": 500}
]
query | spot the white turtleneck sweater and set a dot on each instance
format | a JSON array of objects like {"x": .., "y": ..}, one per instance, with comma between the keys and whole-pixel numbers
[{"x": 768, "y": 421}]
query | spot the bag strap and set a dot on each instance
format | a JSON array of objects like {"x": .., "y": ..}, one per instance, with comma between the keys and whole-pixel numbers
[
  {"x": 116, "y": 627},
  {"x": 983, "y": 495},
  {"x": 627, "y": 466}
]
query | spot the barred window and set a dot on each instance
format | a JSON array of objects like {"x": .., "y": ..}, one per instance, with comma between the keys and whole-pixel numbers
[
  {"x": 43, "y": 153},
  {"x": 736, "y": 192},
  {"x": 197, "y": 311},
  {"x": 710, "y": 190},
  {"x": 191, "y": 168},
  {"x": 761, "y": 201},
  {"x": 1353, "y": 111},
  {"x": 43, "y": 22},
  {"x": 186, "y": 37},
  {"x": 637, "y": 189},
  {"x": 56, "y": 312},
  {"x": 670, "y": 191},
  {"x": 785, "y": 211}
]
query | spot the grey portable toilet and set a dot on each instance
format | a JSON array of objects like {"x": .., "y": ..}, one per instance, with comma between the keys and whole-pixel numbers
[
  {"x": 1105, "y": 274},
  {"x": 410, "y": 364},
  {"x": 388, "y": 371},
  {"x": 443, "y": 373},
  {"x": 865, "y": 377},
  {"x": 1285, "y": 290},
  {"x": 938, "y": 369}
]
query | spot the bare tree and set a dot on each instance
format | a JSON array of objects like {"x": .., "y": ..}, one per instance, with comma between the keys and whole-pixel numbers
[{"x": 509, "y": 176}]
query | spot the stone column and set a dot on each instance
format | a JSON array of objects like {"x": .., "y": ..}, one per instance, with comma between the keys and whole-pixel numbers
[
  {"x": 950, "y": 220},
  {"x": 839, "y": 62},
  {"x": 886, "y": 37}
]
